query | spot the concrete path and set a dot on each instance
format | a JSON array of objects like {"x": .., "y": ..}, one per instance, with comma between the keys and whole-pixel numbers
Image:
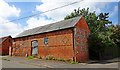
[{"x": 22, "y": 62}]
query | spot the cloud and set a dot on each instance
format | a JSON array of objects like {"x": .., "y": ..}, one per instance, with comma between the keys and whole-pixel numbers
[
  {"x": 114, "y": 15},
  {"x": 59, "y": 14},
  {"x": 102, "y": 0},
  {"x": 56, "y": 14},
  {"x": 59, "y": 0},
  {"x": 9, "y": 28},
  {"x": 115, "y": 11},
  {"x": 22, "y": 0},
  {"x": 7, "y": 11},
  {"x": 36, "y": 22}
]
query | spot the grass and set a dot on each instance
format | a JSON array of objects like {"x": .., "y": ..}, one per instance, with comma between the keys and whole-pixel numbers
[
  {"x": 49, "y": 57},
  {"x": 60, "y": 59},
  {"x": 73, "y": 62},
  {"x": 57, "y": 59},
  {"x": 5, "y": 59},
  {"x": 30, "y": 57},
  {"x": 69, "y": 60}
]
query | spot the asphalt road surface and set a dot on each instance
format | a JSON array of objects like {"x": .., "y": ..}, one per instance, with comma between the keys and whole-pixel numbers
[
  {"x": 12, "y": 64},
  {"x": 19, "y": 62}
]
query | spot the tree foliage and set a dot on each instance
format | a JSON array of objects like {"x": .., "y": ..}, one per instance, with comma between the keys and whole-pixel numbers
[
  {"x": 116, "y": 35},
  {"x": 95, "y": 22},
  {"x": 103, "y": 32}
]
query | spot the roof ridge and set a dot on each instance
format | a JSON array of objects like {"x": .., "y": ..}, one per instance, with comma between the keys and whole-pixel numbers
[
  {"x": 54, "y": 23},
  {"x": 51, "y": 27}
]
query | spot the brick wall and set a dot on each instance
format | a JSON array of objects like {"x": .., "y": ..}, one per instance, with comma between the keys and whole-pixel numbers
[
  {"x": 4, "y": 49},
  {"x": 81, "y": 33},
  {"x": 60, "y": 44}
]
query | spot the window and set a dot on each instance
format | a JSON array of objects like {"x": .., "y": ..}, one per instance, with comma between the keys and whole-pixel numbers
[{"x": 45, "y": 40}]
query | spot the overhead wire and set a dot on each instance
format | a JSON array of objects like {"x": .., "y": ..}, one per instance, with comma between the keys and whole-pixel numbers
[{"x": 44, "y": 11}]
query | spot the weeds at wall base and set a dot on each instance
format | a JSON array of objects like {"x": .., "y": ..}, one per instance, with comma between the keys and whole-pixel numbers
[
  {"x": 60, "y": 59},
  {"x": 30, "y": 57},
  {"x": 5, "y": 59},
  {"x": 55, "y": 59}
]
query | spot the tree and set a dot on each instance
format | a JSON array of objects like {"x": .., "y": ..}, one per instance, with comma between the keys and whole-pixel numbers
[
  {"x": 116, "y": 35},
  {"x": 95, "y": 22},
  {"x": 103, "y": 33},
  {"x": 116, "y": 38}
]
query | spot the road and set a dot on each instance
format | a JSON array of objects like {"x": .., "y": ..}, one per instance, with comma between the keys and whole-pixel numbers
[
  {"x": 11, "y": 64},
  {"x": 18, "y": 62}
]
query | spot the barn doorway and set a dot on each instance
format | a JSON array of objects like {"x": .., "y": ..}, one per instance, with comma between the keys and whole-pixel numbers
[{"x": 34, "y": 48}]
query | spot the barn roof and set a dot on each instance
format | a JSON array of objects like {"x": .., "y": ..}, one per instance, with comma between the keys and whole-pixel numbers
[
  {"x": 2, "y": 39},
  {"x": 50, "y": 27}
]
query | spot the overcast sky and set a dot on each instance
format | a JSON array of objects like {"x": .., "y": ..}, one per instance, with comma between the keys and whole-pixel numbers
[{"x": 14, "y": 9}]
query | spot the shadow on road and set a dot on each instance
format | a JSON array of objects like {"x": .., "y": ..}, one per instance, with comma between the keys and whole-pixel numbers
[{"x": 104, "y": 61}]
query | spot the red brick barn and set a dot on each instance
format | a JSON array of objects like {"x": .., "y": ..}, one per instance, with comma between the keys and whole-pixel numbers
[
  {"x": 66, "y": 39},
  {"x": 5, "y": 43}
]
